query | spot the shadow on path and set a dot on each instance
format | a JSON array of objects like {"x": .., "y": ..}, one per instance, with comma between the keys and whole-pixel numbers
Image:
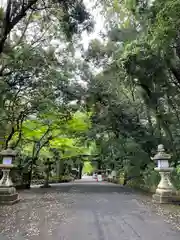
[{"x": 81, "y": 187}]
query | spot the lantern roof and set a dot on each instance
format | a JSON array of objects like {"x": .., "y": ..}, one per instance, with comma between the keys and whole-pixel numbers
[
  {"x": 8, "y": 152},
  {"x": 161, "y": 155}
]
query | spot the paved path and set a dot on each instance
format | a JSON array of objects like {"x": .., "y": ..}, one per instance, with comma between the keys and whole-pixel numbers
[{"x": 83, "y": 211}]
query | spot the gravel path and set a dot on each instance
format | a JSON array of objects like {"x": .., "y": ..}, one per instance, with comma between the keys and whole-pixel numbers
[{"x": 83, "y": 211}]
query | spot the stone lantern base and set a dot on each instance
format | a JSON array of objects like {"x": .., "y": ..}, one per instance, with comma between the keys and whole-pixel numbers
[
  {"x": 165, "y": 192},
  {"x": 8, "y": 196},
  {"x": 165, "y": 198}
]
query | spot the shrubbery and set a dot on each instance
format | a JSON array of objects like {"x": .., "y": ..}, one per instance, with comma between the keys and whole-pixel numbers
[
  {"x": 148, "y": 180},
  {"x": 175, "y": 176}
]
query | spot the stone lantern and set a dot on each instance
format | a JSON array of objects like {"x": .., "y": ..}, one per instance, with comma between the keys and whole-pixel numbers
[
  {"x": 8, "y": 194},
  {"x": 165, "y": 192}
]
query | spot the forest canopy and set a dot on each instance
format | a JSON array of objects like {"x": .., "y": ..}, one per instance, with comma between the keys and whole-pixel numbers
[{"x": 114, "y": 102}]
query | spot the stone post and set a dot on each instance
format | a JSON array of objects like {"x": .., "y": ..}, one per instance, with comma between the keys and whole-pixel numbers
[
  {"x": 8, "y": 194},
  {"x": 113, "y": 174},
  {"x": 165, "y": 192}
]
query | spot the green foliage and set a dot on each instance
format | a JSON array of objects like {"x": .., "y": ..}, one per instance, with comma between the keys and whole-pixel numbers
[
  {"x": 33, "y": 130},
  {"x": 175, "y": 176},
  {"x": 151, "y": 178},
  {"x": 88, "y": 168},
  {"x": 129, "y": 107},
  {"x": 135, "y": 97},
  {"x": 80, "y": 122},
  {"x": 135, "y": 183}
]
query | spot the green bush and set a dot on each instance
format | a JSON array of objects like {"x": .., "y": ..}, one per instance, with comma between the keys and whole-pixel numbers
[
  {"x": 148, "y": 179},
  {"x": 151, "y": 178},
  {"x": 56, "y": 179},
  {"x": 175, "y": 177},
  {"x": 120, "y": 177},
  {"x": 135, "y": 182}
]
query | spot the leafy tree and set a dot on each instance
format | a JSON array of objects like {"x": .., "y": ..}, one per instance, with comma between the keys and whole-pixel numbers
[
  {"x": 72, "y": 16},
  {"x": 33, "y": 72},
  {"x": 135, "y": 95}
]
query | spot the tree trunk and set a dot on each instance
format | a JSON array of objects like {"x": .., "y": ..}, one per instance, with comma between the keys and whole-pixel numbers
[
  {"x": 30, "y": 175},
  {"x": 99, "y": 164},
  {"x": 30, "y": 172},
  {"x": 60, "y": 169},
  {"x": 80, "y": 170},
  {"x": 149, "y": 120},
  {"x": 46, "y": 183}
]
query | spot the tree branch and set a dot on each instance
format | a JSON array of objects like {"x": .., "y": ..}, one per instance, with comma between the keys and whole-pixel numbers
[
  {"x": 9, "y": 137},
  {"x": 9, "y": 25},
  {"x": 24, "y": 31}
]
